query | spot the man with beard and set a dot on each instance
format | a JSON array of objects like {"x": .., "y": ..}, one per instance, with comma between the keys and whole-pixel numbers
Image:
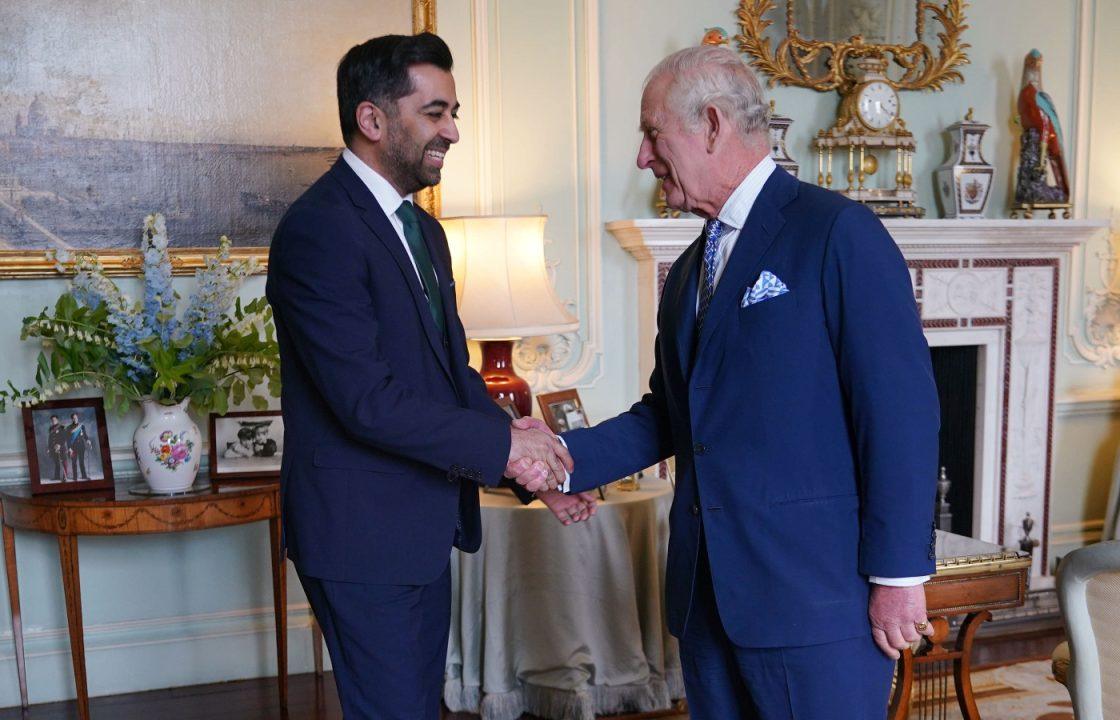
[{"x": 389, "y": 432}]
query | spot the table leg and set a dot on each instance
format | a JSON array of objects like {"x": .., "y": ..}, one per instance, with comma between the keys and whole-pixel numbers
[
  {"x": 72, "y": 588},
  {"x": 17, "y": 616},
  {"x": 280, "y": 602},
  {"x": 962, "y": 666}
]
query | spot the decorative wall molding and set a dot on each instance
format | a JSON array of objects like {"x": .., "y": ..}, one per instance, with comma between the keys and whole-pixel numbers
[
  {"x": 1078, "y": 533},
  {"x": 1095, "y": 303},
  {"x": 547, "y": 363},
  {"x": 1083, "y": 100},
  {"x": 481, "y": 70},
  {"x": 240, "y": 644},
  {"x": 1090, "y": 403}
]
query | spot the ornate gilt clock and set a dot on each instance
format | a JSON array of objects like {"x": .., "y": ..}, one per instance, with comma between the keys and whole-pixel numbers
[
  {"x": 870, "y": 132},
  {"x": 869, "y": 142}
]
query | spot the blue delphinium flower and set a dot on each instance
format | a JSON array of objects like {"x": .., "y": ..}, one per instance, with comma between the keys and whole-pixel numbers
[
  {"x": 159, "y": 297},
  {"x": 214, "y": 294}
]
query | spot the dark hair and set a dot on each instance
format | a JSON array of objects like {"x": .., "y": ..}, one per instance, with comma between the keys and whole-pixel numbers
[{"x": 377, "y": 71}]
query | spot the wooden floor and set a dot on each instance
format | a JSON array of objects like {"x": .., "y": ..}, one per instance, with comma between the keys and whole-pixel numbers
[{"x": 317, "y": 700}]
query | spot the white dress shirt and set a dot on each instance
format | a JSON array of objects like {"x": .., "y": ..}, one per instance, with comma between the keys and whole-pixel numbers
[
  {"x": 386, "y": 196},
  {"x": 734, "y": 215}
]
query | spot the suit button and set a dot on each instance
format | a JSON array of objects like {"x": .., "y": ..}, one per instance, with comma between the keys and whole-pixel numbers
[
  {"x": 699, "y": 449},
  {"x": 695, "y": 509}
]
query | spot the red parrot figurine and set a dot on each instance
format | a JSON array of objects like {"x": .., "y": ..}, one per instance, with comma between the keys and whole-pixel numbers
[{"x": 1038, "y": 113}]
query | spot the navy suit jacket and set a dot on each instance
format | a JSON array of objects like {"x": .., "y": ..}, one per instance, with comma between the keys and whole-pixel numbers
[
  {"x": 804, "y": 426},
  {"x": 388, "y": 431}
]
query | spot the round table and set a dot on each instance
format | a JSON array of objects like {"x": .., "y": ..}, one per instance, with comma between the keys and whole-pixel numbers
[
  {"x": 119, "y": 512},
  {"x": 564, "y": 622}
]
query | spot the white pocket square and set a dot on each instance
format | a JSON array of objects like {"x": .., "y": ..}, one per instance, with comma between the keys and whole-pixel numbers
[{"x": 767, "y": 286}]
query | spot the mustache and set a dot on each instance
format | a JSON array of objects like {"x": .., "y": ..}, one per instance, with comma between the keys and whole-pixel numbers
[{"x": 438, "y": 145}]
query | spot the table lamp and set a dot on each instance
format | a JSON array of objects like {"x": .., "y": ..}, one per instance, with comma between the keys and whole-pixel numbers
[{"x": 504, "y": 294}]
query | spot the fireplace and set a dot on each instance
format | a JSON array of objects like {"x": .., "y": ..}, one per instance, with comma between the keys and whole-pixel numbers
[
  {"x": 992, "y": 295},
  {"x": 955, "y": 371}
]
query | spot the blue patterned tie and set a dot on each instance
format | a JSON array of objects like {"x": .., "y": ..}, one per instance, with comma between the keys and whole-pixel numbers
[{"x": 713, "y": 235}]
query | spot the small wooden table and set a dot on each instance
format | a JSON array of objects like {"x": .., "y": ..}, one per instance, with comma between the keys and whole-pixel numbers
[
  {"x": 973, "y": 578},
  {"x": 117, "y": 512}
]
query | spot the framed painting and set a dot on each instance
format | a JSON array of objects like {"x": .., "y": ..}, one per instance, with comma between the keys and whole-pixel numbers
[
  {"x": 217, "y": 115},
  {"x": 68, "y": 446}
]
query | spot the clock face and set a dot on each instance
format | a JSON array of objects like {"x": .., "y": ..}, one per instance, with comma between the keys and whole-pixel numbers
[{"x": 877, "y": 105}]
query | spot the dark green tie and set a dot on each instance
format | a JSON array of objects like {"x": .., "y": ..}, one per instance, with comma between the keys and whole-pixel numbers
[{"x": 415, "y": 239}]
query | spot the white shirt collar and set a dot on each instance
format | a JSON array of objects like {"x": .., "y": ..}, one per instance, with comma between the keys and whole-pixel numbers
[
  {"x": 383, "y": 191},
  {"x": 738, "y": 206}
]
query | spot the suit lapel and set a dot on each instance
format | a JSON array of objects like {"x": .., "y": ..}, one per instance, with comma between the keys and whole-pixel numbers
[
  {"x": 374, "y": 218},
  {"x": 744, "y": 265},
  {"x": 684, "y": 304}
]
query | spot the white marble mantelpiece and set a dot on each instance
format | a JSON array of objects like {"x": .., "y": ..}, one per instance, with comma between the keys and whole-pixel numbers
[{"x": 1003, "y": 285}]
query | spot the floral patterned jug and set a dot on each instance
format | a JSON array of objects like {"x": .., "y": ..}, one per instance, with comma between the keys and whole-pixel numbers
[{"x": 167, "y": 446}]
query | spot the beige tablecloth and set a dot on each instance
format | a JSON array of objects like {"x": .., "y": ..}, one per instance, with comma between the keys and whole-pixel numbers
[{"x": 564, "y": 622}]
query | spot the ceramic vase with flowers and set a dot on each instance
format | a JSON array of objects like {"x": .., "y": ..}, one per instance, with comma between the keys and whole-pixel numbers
[{"x": 215, "y": 354}]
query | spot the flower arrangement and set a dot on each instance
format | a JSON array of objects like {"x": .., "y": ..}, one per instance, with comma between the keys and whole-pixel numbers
[{"x": 217, "y": 353}]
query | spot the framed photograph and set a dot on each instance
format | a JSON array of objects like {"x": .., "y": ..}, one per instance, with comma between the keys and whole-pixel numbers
[
  {"x": 246, "y": 445},
  {"x": 68, "y": 446},
  {"x": 563, "y": 411}
]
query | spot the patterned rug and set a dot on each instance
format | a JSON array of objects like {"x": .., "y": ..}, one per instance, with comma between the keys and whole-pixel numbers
[{"x": 1023, "y": 691}]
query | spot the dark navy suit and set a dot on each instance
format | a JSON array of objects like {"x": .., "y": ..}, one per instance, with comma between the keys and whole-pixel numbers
[
  {"x": 388, "y": 434},
  {"x": 805, "y": 431}
]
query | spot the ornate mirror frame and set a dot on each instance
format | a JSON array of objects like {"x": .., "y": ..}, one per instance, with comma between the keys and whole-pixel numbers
[
  {"x": 924, "y": 68},
  {"x": 30, "y": 264}
]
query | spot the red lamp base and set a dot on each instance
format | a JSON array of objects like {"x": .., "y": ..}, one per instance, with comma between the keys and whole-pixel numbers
[{"x": 501, "y": 379}]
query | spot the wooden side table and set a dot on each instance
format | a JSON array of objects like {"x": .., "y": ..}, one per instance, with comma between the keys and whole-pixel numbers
[
  {"x": 120, "y": 513},
  {"x": 973, "y": 578}
]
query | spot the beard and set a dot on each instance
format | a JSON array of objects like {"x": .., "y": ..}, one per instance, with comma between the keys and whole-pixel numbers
[{"x": 404, "y": 160}]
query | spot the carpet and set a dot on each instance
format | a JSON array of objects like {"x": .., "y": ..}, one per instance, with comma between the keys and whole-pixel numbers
[{"x": 1023, "y": 691}]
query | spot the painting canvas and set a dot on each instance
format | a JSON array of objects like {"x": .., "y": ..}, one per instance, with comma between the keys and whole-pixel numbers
[
  {"x": 218, "y": 115},
  {"x": 67, "y": 446},
  {"x": 246, "y": 445}
]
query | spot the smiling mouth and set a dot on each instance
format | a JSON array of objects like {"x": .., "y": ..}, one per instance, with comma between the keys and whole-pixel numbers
[{"x": 436, "y": 156}]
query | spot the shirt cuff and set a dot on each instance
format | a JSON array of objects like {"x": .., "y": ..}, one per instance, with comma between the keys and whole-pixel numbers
[
  {"x": 566, "y": 486},
  {"x": 900, "y": 581}
]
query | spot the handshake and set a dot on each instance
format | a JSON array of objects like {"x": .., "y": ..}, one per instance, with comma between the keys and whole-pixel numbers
[{"x": 540, "y": 463}]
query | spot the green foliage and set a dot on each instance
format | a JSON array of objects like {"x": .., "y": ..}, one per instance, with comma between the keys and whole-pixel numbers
[{"x": 236, "y": 357}]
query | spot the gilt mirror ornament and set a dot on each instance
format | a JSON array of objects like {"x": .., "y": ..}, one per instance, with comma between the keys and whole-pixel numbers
[{"x": 868, "y": 51}]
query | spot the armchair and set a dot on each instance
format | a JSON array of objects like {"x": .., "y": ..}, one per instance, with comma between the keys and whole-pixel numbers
[{"x": 1089, "y": 596}]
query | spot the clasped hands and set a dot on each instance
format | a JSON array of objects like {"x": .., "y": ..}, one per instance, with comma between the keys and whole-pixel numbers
[{"x": 540, "y": 462}]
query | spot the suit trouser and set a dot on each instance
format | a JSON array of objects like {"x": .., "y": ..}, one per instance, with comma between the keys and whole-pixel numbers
[
  {"x": 387, "y": 644},
  {"x": 844, "y": 680}
]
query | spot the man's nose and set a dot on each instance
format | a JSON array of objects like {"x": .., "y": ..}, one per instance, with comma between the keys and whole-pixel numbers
[
  {"x": 450, "y": 131},
  {"x": 645, "y": 154}
]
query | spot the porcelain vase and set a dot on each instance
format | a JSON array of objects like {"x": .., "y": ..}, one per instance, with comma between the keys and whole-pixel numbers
[{"x": 168, "y": 446}]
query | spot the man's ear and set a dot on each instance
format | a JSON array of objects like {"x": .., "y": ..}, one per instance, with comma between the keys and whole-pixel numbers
[
  {"x": 371, "y": 120},
  {"x": 715, "y": 124}
]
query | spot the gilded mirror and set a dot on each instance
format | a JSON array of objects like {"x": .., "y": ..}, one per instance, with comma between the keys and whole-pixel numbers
[{"x": 816, "y": 43}]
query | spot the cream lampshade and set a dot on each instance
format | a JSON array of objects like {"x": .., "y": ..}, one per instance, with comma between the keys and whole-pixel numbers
[{"x": 503, "y": 293}]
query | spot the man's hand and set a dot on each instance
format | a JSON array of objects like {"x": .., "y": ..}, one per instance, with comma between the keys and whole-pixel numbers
[
  {"x": 532, "y": 423},
  {"x": 537, "y": 447},
  {"x": 896, "y": 613},
  {"x": 570, "y": 509}
]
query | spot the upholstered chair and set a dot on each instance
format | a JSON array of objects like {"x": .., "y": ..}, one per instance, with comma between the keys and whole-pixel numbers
[{"x": 1089, "y": 595}]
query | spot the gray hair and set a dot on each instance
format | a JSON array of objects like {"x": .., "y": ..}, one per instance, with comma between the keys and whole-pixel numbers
[{"x": 712, "y": 75}]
